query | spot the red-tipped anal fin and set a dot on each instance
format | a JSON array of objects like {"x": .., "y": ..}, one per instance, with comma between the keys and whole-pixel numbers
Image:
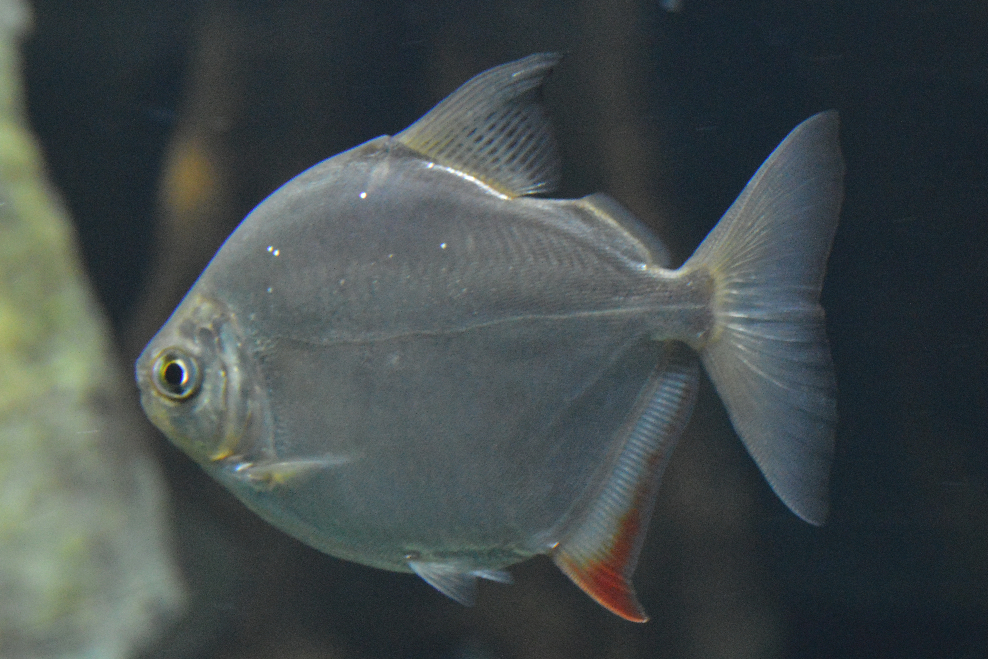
[
  {"x": 602, "y": 577},
  {"x": 600, "y": 549}
]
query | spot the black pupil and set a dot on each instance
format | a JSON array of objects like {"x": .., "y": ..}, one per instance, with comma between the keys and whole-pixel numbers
[{"x": 174, "y": 376}]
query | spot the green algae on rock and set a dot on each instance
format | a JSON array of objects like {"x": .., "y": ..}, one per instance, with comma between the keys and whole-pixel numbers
[{"x": 85, "y": 568}]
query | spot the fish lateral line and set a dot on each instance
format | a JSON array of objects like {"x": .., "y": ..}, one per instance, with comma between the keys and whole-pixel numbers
[{"x": 380, "y": 337}]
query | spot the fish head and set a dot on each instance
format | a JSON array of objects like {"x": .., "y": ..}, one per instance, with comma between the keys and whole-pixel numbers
[{"x": 200, "y": 386}]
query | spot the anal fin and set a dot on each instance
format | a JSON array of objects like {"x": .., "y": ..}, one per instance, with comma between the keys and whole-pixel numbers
[
  {"x": 600, "y": 554},
  {"x": 455, "y": 580}
]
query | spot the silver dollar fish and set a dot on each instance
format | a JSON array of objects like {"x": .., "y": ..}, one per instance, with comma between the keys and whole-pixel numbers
[{"x": 404, "y": 360}]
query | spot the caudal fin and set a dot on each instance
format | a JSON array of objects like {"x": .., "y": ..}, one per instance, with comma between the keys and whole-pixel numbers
[{"x": 767, "y": 350}]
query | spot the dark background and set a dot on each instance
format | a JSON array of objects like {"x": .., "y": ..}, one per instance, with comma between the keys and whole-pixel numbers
[{"x": 165, "y": 122}]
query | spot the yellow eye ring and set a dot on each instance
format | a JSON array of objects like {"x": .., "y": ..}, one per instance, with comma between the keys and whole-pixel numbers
[{"x": 175, "y": 374}]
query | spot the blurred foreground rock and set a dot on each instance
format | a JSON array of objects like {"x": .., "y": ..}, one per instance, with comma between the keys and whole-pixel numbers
[{"x": 85, "y": 568}]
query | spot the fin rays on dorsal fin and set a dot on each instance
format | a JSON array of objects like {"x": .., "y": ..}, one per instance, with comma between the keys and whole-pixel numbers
[
  {"x": 494, "y": 128},
  {"x": 601, "y": 553},
  {"x": 455, "y": 580}
]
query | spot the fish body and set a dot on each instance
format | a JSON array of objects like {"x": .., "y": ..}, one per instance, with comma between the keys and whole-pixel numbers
[{"x": 402, "y": 359}]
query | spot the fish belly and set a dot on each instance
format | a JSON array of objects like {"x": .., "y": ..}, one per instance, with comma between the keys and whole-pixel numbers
[{"x": 476, "y": 443}]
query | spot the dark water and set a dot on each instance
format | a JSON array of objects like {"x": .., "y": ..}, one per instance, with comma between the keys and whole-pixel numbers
[{"x": 671, "y": 113}]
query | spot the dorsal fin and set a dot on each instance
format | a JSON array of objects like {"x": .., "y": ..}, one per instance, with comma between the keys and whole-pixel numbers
[
  {"x": 494, "y": 128},
  {"x": 607, "y": 209},
  {"x": 600, "y": 554}
]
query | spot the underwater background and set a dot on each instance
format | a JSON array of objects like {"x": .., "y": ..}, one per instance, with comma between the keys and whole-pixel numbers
[{"x": 163, "y": 123}]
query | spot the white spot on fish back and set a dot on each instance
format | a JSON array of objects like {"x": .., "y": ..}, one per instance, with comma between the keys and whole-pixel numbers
[
  {"x": 363, "y": 195},
  {"x": 442, "y": 245},
  {"x": 273, "y": 251}
]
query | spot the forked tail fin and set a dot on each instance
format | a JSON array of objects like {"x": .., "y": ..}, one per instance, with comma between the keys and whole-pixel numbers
[{"x": 767, "y": 351}]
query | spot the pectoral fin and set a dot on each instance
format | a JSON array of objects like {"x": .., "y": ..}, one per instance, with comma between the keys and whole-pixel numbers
[
  {"x": 601, "y": 552},
  {"x": 283, "y": 472}
]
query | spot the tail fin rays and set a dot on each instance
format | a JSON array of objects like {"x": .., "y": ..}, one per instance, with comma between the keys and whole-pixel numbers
[{"x": 767, "y": 351}]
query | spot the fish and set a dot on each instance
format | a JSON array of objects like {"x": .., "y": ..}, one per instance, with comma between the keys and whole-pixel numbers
[{"x": 408, "y": 356}]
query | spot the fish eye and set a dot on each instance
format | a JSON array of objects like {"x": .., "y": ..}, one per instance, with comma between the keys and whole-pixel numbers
[{"x": 176, "y": 375}]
